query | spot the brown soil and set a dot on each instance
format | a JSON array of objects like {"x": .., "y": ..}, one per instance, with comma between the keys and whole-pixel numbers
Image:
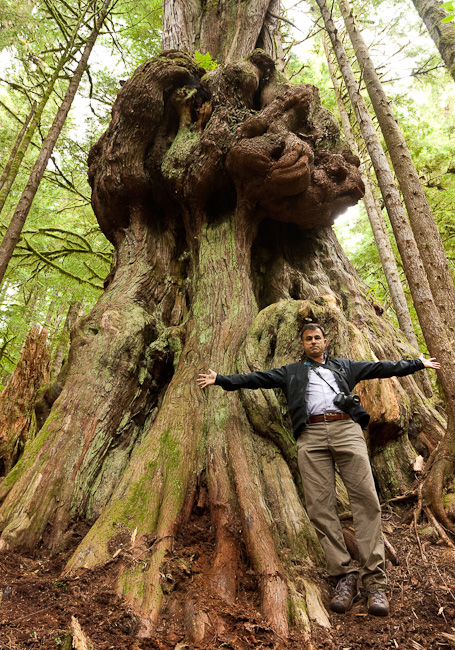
[{"x": 38, "y": 602}]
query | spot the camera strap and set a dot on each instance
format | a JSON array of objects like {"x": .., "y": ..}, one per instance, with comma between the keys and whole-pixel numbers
[{"x": 325, "y": 380}]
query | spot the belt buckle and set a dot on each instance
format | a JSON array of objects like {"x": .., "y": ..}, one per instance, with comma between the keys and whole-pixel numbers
[{"x": 326, "y": 413}]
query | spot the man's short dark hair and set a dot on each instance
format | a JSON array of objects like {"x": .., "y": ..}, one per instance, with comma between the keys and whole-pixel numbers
[{"x": 311, "y": 327}]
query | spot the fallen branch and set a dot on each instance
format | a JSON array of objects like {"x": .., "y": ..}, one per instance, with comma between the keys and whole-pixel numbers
[{"x": 391, "y": 551}]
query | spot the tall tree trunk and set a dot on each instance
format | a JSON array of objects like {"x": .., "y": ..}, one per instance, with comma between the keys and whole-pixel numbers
[
  {"x": 443, "y": 34},
  {"x": 210, "y": 269},
  {"x": 14, "y": 229},
  {"x": 15, "y": 147},
  {"x": 17, "y": 400},
  {"x": 433, "y": 328},
  {"x": 380, "y": 235},
  {"x": 424, "y": 227}
]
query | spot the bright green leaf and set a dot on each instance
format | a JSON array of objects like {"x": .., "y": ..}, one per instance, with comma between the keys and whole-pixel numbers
[{"x": 205, "y": 60}]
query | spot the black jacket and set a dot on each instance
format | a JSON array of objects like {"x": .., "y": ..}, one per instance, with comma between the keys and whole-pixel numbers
[{"x": 293, "y": 380}]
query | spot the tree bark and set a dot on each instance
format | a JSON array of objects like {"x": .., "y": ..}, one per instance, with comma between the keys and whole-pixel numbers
[
  {"x": 380, "y": 235},
  {"x": 443, "y": 34},
  {"x": 421, "y": 218},
  {"x": 210, "y": 269},
  {"x": 63, "y": 339},
  {"x": 228, "y": 31},
  {"x": 433, "y": 328},
  {"x": 17, "y": 400},
  {"x": 14, "y": 229}
]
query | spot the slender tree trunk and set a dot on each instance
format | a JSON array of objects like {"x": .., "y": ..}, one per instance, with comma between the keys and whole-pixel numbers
[
  {"x": 377, "y": 223},
  {"x": 20, "y": 135},
  {"x": 14, "y": 229},
  {"x": 423, "y": 225},
  {"x": 433, "y": 328},
  {"x": 443, "y": 34}
]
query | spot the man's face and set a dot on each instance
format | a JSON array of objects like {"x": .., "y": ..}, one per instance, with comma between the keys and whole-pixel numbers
[{"x": 314, "y": 344}]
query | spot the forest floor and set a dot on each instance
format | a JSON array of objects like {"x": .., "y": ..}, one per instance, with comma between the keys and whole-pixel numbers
[{"x": 38, "y": 602}]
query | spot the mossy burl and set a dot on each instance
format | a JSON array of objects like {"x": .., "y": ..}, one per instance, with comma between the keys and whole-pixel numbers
[{"x": 184, "y": 143}]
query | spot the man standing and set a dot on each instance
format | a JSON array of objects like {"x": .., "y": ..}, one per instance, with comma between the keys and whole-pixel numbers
[{"x": 327, "y": 423}]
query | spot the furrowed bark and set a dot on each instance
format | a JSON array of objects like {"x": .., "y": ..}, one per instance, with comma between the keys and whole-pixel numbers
[
  {"x": 108, "y": 394},
  {"x": 228, "y": 31},
  {"x": 17, "y": 399},
  {"x": 214, "y": 332},
  {"x": 217, "y": 191}
]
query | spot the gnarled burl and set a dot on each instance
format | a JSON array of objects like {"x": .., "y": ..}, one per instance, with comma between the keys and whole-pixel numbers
[{"x": 218, "y": 191}]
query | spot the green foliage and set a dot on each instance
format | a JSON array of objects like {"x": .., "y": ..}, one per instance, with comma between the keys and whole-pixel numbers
[
  {"x": 450, "y": 7},
  {"x": 205, "y": 60}
]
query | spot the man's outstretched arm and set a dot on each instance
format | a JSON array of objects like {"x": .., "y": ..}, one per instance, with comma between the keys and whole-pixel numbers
[
  {"x": 385, "y": 369},
  {"x": 275, "y": 378},
  {"x": 206, "y": 380}
]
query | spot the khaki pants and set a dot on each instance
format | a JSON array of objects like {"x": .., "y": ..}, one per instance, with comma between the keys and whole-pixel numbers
[{"x": 319, "y": 447}]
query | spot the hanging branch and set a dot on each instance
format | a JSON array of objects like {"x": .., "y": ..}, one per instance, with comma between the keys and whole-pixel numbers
[{"x": 59, "y": 268}]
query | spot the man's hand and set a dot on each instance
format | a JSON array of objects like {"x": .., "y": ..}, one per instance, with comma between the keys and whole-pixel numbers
[
  {"x": 430, "y": 363},
  {"x": 206, "y": 380}
]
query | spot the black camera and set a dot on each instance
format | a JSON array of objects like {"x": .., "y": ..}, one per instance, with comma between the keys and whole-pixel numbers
[{"x": 346, "y": 402}]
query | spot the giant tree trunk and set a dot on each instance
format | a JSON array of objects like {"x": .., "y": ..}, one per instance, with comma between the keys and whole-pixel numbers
[
  {"x": 228, "y": 31},
  {"x": 443, "y": 34},
  {"x": 217, "y": 191}
]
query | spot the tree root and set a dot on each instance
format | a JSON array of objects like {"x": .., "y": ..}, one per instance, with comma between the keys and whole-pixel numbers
[
  {"x": 261, "y": 546},
  {"x": 439, "y": 528}
]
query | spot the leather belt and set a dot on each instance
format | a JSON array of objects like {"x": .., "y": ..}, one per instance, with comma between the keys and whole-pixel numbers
[{"x": 328, "y": 417}]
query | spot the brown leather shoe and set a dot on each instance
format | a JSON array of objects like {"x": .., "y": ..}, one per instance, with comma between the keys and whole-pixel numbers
[
  {"x": 346, "y": 592},
  {"x": 378, "y": 605}
]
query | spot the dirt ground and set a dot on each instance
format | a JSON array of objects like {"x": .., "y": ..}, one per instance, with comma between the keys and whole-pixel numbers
[{"x": 37, "y": 604}]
